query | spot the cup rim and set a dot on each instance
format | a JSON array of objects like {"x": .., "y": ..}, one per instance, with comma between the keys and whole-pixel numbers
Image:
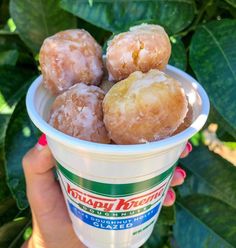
[{"x": 114, "y": 149}]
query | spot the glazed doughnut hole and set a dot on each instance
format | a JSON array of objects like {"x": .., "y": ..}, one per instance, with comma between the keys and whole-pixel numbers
[
  {"x": 70, "y": 57},
  {"x": 78, "y": 113},
  {"x": 144, "y": 107},
  {"x": 142, "y": 48}
]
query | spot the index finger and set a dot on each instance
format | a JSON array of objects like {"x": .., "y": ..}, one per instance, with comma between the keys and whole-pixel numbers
[{"x": 188, "y": 148}]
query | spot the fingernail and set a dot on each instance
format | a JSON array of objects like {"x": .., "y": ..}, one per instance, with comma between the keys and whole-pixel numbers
[
  {"x": 42, "y": 142},
  {"x": 171, "y": 194},
  {"x": 189, "y": 147},
  {"x": 181, "y": 171}
]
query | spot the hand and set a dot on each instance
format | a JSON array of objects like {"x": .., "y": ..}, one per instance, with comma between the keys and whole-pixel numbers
[{"x": 52, "y": 226}]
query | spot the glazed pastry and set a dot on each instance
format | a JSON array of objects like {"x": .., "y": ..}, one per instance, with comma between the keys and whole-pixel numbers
[
  {"x": 142, "y": 48},
  {"x": 70, "y": 57},
  {"x": 78, "y": 112},
  {"x": 144, "y": 107},
  {"x": 187, "y": 120}
]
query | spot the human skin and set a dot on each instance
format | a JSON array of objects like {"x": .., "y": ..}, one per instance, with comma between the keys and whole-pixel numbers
[{"x": 52, "y": 226}]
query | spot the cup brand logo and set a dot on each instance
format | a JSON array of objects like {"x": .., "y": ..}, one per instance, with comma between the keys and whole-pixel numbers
[{"x": 115, "y": 204}]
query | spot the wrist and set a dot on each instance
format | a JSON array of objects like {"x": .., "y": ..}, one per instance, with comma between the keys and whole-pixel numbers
[
  {"x": 27, "y": 243},
  {"x": 30, "y": 243}
]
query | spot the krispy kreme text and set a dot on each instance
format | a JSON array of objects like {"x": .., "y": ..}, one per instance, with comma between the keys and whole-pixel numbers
[{"x": 112, "y": 204}]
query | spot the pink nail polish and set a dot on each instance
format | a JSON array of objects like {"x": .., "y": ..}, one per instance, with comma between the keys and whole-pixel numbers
[
  {"x": 181, "y": 171},
  {"x": 171, "y": 194},
  {"x": 189, "y": 147},
  {"x": 42, "y": 141}
]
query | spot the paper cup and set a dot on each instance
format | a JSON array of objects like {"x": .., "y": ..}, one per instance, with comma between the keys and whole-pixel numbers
[{"x": 114, "y": 193}]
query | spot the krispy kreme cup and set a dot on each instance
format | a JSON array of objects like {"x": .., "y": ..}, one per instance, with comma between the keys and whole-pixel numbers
[{"x": 114, "y": 193}]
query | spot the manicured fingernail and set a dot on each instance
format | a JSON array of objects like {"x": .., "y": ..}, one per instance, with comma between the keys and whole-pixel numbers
[
  {"x": 181, "y": 171},
  {"x": 171, "y": 194},
  {"x": 42, "y": 142},
  {"x": 189, "y": 147}
]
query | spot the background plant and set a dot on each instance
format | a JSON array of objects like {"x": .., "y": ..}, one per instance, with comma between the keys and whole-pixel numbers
[{"x": 203, "y": 36}]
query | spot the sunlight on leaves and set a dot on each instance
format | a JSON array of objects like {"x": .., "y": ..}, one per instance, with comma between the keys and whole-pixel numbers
[
  {"x": 172, "y": 39},
  {"x": 19, "y": 219},
  {"x": 4, "y": 106},
  {"x": 9, "y": 57},
  {"x": 11, "y": 25},
  {"x": 231, "y": 145},
  {"x": 36, "y": 57},
  {"x": 27, "y": 233},
  {"x": 90, "y": 3},
  {"x": 197, "y": 139},
  {"x": 26, "y": 132}
]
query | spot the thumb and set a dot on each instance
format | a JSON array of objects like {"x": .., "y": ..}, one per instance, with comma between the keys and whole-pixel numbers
[
  {"x": 38, "y": 160},
  {"x": 37, "y": 164},
  {"x": 40, "y": 182}
]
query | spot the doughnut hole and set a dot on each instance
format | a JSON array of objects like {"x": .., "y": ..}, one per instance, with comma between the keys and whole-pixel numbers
[
  {"x": 144, "y": 107},
  {"x": 70, "y": 57},
  {"x": 78, "y": 113},
  {"x": 142, "y": 48}
]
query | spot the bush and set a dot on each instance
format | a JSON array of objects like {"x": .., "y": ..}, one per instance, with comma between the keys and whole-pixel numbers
[{"x": 203, "y": 36}]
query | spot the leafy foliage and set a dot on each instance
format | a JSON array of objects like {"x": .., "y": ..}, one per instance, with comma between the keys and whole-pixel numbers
[
  {"x": 19, "y": 131},
  {"x": 119, "y": 15},
  {"x": 206, "y": 201},
  {"x": 213, "y": 42},
  {"x": 198, "y": 216},
  {"x": 203, "y": 37},
  {"x": 36, "y": 20},
  {"x": 207, "y": 174}
]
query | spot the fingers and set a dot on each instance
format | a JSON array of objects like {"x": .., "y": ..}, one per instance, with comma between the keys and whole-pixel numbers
[
  {"x": 187, "y": 150},
  {"x": 178, "y": 177},
  {"x": 170, "y": 198}
]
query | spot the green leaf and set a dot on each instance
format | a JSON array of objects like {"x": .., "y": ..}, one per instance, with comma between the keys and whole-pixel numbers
[
  {"x": 159, "y": 237},
  {"x": 167, "y": 216},
  {"x": 11, "y": 41},
  {"x": 4, "y": 191},
  {"x": 9, "y": 57},
  {"x": 224, "y": 130},
  {"x": 11, "y": 25},
  {"x": 4, "y": 12},
  {"x": 231, "y": 2},
  {"x": 203, "y": 221},
  {"x": 225, "y": 136},
  {"x": 13, "y": 85},
  {"x": 28, "y": 232},
  {"x": 174, "y": 15},
  {"x": 8, "y": 209},
  {"x": 19, "y": 139},
  {"x": 90, "y": 2},
  {"x": 100, "y": 35},
  {"x": 231, "y": 145},
  {"x": 197, "y": 139},
  {"x": 9, "y": 232},
  {"x": 210, "y": 174},
  {"x": 37, "y": 19},
  {"x": 213, "y": 60},
  {"x": 178, "y": 54},
  {"x": 162, "y": 229}
]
